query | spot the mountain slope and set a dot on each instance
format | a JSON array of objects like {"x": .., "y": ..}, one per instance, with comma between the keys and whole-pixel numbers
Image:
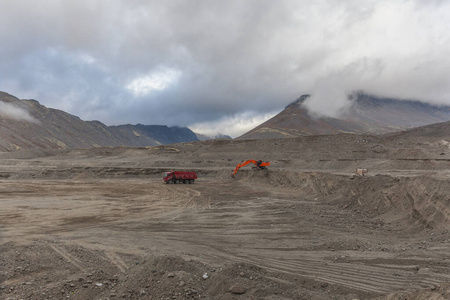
[
  {"x": 27, "y": 124},
  {"x": 366, "y": 115},
  {"x": 145, "y": 135},
  {"x": 441, "y": 130},
  {"x": 398, "y": 113}
]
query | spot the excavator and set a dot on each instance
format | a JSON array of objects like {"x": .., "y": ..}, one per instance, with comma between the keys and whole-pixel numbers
[{"x": 260, "y": 165}]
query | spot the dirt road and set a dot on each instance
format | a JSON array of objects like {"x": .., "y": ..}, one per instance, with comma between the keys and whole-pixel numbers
[{"x": 101, "y": 224}]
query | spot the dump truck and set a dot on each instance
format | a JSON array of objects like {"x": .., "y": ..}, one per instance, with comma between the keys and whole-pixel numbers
[{"x": 179, "y": 177}]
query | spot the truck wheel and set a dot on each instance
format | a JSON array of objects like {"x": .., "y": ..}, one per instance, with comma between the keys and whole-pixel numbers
[{"x": 185, "y": 181}]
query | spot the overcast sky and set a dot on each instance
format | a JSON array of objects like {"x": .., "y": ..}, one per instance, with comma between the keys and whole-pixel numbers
[{"x": 220, "y": 66}]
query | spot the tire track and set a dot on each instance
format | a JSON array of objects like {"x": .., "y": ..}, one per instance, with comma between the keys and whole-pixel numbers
[
  {"x": 373, "y": 279},
  {"x": 67, "y": 256},
  {"x": 364, "y": 277},
  {"x": 311, "y": 270},
  {"x": 117, "y": 261}
]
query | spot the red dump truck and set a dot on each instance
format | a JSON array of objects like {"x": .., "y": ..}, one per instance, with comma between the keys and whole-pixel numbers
[{"x": 179, "y": 177}]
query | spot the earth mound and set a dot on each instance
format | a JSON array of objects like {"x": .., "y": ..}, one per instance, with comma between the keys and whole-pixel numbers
[{"x": 421, "y": 202}]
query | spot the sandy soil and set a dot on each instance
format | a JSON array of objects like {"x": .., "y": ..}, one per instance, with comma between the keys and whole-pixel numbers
[{"x": 101, "y": 224}]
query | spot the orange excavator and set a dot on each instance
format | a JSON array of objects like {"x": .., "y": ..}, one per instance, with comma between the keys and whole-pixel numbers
[{"x": 260, "y": 165}]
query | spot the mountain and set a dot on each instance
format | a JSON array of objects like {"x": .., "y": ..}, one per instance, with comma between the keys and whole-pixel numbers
[
  {"x": 27, "y": 124},
  {"x": 147, "y": 135},
  {"x": 440, "y": 130},
  {"x": 378, "y": 111},
  {"x": 203, "y": 137},
  {"x": 366, "y": 115}
]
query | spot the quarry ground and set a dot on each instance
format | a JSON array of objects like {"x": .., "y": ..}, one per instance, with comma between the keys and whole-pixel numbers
[{"x": 101, "y": 223}]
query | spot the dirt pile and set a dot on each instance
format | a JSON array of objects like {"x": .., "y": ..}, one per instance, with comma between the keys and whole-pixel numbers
[
  {"x": 421, "y": 201},
  {"x": 81, "y": 273}
]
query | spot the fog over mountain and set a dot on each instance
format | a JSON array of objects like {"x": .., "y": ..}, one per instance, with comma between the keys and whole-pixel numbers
[
  {"x": 365, "y": 114},
  {"x": 9, "y": 111},
  {"x": 220, "y": 66}
]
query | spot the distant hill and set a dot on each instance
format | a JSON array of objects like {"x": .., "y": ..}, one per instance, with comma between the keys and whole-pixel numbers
[
  {"x": 203, "y": 137},
  {"x": 145, "y": 135},
  {"x": 440, "y": 130},
  {"x": 366, "y": 115},
  {"x": 27, "y": 124}
]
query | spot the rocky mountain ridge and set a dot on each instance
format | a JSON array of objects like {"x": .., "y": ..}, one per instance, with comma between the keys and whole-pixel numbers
[
  {"x": 26, "y": 124},
  {"x": 366, "y": 115}
]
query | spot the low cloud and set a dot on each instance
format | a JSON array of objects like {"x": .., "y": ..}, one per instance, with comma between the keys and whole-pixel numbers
[{"x": 10, "y": 111}]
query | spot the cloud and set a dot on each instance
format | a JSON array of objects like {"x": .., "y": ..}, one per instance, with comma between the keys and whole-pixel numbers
[
  {"x": 199, "y": 62},
  {"x": 398, "y": 50},
  {"x": 234, "y": 126},
  {"x": 156, "y": 81},
  {"x": 10, "y": 111}
]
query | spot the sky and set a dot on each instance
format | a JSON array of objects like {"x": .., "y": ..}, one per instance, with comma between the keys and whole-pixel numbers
[{"x": 220, "y": 66}]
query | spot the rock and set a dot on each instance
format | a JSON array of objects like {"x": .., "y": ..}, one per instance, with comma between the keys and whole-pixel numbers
[
  {"x": 324, "y": 285},
  {"x": 237, "y": 289},
  {"x": 424, "y": 271},
  {"x": 182, "y": 283},
  {"x": 205, "y": 276},
  {"x": 191, "y": 292},
  {"x": 170, "y": 275}
]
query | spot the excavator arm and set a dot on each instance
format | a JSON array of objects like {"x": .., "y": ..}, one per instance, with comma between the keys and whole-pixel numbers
[{"x": 258, "y": 163}]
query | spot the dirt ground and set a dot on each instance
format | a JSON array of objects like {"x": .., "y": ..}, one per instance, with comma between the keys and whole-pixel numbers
[{"x": 101, "y": 223}]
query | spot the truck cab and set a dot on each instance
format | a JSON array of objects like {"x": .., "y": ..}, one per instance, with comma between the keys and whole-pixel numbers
[{"x": 167, "y": 176}]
